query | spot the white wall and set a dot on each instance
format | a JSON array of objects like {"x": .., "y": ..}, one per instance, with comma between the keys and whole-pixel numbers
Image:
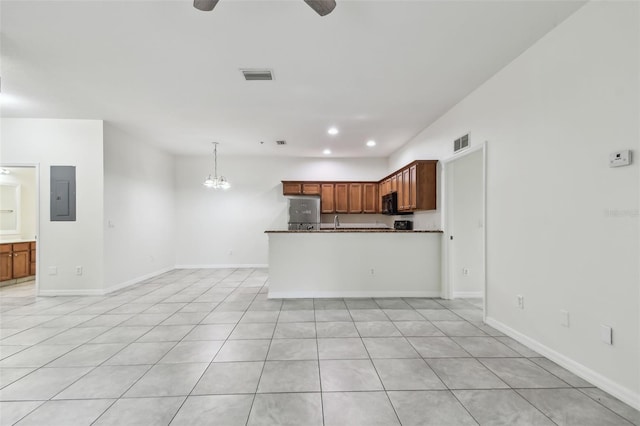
[
  {"x": 562, "y": 227},
  {"x": 139, "y": 204},
  {"x": 26, "y": 178},
  {"x": 64, "y": 245},
  {"x": 464, "y": 179},
  {"x": 210, "y": 223}
]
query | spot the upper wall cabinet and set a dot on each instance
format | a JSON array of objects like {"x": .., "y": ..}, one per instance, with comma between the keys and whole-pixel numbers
[{"x": 415, "y": 184}]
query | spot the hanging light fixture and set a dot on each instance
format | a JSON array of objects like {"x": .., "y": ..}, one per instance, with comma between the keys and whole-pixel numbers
[{"x": 216, "y": 182}]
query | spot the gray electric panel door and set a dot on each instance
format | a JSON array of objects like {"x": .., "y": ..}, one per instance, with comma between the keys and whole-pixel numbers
[{"x": 63, "y": 193}]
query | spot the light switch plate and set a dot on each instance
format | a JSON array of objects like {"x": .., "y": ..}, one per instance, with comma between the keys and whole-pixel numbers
[
  {"x": 564, "y": 318},
  {"x": 620, "y": 158},
  {"x": 606, "y": 334}
]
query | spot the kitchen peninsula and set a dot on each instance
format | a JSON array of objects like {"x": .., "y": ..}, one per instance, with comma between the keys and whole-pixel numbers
[{"x": 354, "y": 263}]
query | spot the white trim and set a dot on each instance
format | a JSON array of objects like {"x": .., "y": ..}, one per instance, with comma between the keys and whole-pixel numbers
[
  {"x": 137, "y": 280},
  {"x": 224, "y": 266},
  {"x": 624, "y": 394},
  {"x": 447, "y": 289},
  {"x": 76, "y": 292},
  {"x": 102, "y": 292},
  {"x": 463, "y": 294},
  {"x": 341, "y": 294}
]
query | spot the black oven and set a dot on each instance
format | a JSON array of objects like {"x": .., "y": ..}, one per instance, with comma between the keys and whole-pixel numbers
[{"x": 390, "y": 203}]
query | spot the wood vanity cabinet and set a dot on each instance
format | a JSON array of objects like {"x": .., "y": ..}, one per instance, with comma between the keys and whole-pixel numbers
[
  {"x": 371, "y": 199},
  {"x": 6, "y": 264},
  {"x": 32, "y": 258},
  {"x": 21, "y": 263},
  {"x": 327, "y": 201},
  {"x": 341, "y": 197},
  {"x": 355, "y": 198},
  {"x": 17, "y": 260}
]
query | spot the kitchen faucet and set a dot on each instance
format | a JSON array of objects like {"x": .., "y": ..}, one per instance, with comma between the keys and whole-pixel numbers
[{"x": 336, "y": 222}]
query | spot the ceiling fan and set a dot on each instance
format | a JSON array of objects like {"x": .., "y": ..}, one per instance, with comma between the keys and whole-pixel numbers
[{"x": 322, "y": 7}]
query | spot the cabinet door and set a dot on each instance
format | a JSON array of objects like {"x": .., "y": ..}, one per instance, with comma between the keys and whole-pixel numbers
[
  {"x": 6, "y": 264},
  {"x": 327, "y": 204},
  {"x": 413, "y": 186},
  {"x": 400, "y": 190},
  {"x": 393, "y": 184},
  {"x": 342, "y": 197},
  {"x": 20, "y": 264},
  {"x": 371, "y": 199},
  {"x": 311, "y": 188},
  {"x": 406, "y": 190},
  {"x": 291, "y": 188},
  {"x": 355, "y": 198}
]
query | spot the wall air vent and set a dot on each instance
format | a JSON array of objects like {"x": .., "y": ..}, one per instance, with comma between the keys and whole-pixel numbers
[
  {"x": 256, "y": 74},
  {"x": 461, "y": 143},
  {"x": 281, "y": 142}
]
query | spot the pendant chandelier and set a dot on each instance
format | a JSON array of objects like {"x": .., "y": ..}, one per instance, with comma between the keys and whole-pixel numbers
[{"x": 216, "y": 182}]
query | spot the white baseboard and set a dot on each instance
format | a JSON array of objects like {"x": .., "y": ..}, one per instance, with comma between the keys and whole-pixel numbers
[
  {"x": 624, "y": 394},
  {"x": 224, "y": 266},
  {"x": 137, "y": 280},
  {"x": 467, "y": 294},
  {"x": 102, "y": 292},
  {"x": 72, "y": 292},
  {"x": 349, "y": 294}
]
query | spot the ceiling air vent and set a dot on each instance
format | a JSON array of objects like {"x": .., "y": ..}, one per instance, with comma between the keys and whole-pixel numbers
[
  {"x": 461, "y": 143},
  {"x": 281, "y": 142},
  {"x": 255, "y": 74}
]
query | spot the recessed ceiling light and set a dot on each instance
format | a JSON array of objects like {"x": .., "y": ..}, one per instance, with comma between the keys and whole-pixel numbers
[
  {"x": 332, "y": 131},
  {"x": 371, "y": 143},
  {"x": 326, "y": 152}
]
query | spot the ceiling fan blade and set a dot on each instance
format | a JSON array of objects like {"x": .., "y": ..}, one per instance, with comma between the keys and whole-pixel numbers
[
  {"x": 205, "y": 5},
  {"x": 322, "y": 7}
]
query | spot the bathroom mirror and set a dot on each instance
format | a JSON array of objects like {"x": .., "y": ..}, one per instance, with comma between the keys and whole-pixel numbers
[{"x": 9, "y": 208}]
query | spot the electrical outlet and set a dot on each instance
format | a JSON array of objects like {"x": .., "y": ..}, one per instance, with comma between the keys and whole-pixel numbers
[
  {"x": 230, "y": 252},
  {"x": 520, "y": 301},
  {"x": 53, "y": 270},
  {"x": 606, "y": 334},
  {"x": 564, "y": 318},
  {"x": 78, "y": 270},
  {"x": 465, "y": 271}
]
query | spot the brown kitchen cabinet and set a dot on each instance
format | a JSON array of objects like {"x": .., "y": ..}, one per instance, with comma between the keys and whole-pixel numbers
[
  {"x": 370, "y": 198},
  {"x": 400, "y": 191},
  {"x": 327, "y": 198},
  {"x": 291, "y": 188},
  {"x": 311, "y": 189},
  {"x": 341, "y": 197},
  {"x": 415, "y": 185},
  {"x": 17, "y": 260},
  {"x": 355, "y": 198}
]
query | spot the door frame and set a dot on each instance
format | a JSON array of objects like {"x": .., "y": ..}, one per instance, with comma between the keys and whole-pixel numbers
[
  {"x": 447, "y": 255},
  {"x": 35, "y": 166}
]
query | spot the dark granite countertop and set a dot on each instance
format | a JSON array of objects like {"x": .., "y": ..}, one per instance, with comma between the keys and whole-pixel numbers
[{"x": 346, "y": 230}]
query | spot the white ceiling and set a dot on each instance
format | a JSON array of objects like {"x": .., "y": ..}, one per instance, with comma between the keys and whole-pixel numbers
[{"x": 169, "y": 74}]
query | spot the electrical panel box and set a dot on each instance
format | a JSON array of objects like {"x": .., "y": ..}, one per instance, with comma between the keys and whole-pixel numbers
[{"x": 63, "y": 193}]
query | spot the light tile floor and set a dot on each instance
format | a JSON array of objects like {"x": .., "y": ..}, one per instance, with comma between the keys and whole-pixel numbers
[{"x": 208, "y": 347}]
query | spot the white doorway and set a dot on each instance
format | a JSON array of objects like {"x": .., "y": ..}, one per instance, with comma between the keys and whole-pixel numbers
[
  {"x": 22, "y": 212},
  {"x": 464, "y": 218}
]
